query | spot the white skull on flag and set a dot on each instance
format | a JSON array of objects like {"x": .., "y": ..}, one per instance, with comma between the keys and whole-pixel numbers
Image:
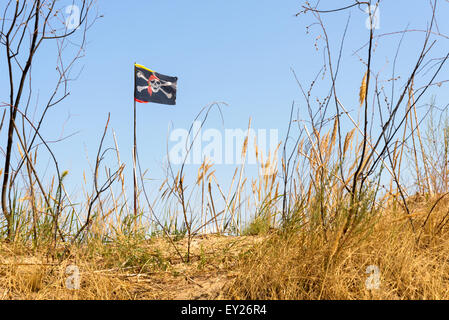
[{"x": 154, "y": 85}]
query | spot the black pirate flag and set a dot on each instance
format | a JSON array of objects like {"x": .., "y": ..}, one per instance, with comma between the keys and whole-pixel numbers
[{"x": 151, "y": 86}]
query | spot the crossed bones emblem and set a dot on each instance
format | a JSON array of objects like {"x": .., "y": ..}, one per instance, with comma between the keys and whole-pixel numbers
[{"x": 155, "y": 85}]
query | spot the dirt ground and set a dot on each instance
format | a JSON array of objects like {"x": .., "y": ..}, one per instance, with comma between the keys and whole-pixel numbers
[{"x": 28, "y": 275}]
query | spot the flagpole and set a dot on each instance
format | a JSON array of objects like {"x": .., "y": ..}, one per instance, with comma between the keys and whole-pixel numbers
[{"x": 135, "y": 155}]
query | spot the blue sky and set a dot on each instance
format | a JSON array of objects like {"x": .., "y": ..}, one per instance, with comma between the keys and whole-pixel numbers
[{"x": 238, "y": 52}]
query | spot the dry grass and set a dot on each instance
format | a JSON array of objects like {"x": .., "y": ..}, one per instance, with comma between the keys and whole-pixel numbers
[
  {"x": 109, "y": 272},
  {"x": 300, "y": 266},
  {"x": 280, "y": 265}
]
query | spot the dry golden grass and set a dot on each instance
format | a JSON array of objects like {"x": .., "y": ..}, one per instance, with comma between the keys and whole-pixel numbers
[
  {"x": 301, "y": 266},
  {"x": 107, "y": 272},
  {"x": 281, "y": 265}
]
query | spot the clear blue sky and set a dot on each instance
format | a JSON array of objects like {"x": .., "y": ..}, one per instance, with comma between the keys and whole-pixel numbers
[{"x": 239, "y": 52}]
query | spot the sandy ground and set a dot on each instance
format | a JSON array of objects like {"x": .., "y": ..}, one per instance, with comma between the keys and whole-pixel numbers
[{"x": 211, "y": 268}]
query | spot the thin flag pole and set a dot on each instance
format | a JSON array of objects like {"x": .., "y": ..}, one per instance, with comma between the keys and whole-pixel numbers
[{"x": 135, "y": 153}]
